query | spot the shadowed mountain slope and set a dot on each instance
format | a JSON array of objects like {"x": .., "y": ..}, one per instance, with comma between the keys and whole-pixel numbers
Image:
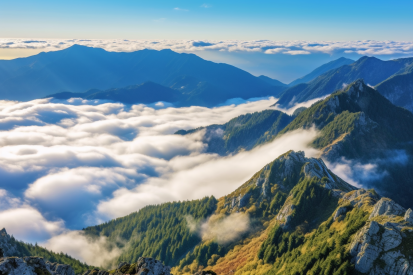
[
  {"x": 243, "y": 132},
  {"x": 321, "y": 70},
  {"x": 399, "y": 90},
  {"x": 370, "y": 69}
]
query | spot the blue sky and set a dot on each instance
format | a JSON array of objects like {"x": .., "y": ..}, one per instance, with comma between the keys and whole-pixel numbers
[{"x": 155, "y": 19}]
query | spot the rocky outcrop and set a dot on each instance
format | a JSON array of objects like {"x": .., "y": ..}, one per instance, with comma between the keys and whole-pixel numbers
[
  {"x": 408, "y": 217},
  {"x": 32, "y": 266},
  {"x": 340, "y": 212},
  {"x": 285, "y": 172},
  {"x": 144, "y": 266},
  {"x": 382, "y": 246},
  {"x": 59, "y": 269},
  {"x": 387, "y": 207},
  {"x": 149, "y": 266},
  {"x": 7, "y": 244},
  {"x": 361, "y": 197}
]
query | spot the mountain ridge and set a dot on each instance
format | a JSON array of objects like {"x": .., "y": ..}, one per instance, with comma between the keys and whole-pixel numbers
[
  {"x": 321, "y": 70},
  {"x": 372, "y": 70},
  {"x": 79, "y": 68}
]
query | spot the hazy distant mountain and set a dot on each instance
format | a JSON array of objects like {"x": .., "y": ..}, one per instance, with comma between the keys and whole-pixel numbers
[
  {"x": 79, "y": 68},
  {"x": 398, "y": 89},
  {"x": 271, "y": 81},
  {"x": 371, "y": 69},
  {"x": 322, "y": 69},
  {"x": 147, "y": 92}
]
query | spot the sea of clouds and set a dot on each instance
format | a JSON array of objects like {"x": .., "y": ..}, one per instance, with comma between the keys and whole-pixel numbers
[
  {"x": 366, "y": 47},
  {"x": 66, "y": 165}
]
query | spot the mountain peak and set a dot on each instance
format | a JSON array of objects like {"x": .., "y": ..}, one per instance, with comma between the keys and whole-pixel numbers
[{"x": 283, "y": 174}]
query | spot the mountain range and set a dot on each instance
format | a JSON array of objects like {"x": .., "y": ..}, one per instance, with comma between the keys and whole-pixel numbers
[
  {"x": 293, "y": 216},
  {"x": 372, "y": 70},
  {"x": 357, "y": 124},
  {"x": 78, "y": 69},
  {"x": 322, "y": 69}
]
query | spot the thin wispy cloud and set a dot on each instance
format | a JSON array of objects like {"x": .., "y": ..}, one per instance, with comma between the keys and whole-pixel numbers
[
  {"x": 159, "y": 20},
  {"x": 205, "y": 6},
  {"x": 180, "y": 9}
]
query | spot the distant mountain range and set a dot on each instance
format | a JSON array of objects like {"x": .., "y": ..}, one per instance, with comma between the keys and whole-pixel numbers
[
  {"x": 358, "y": 124},
  {"x": 372, "y": 70},
  {"x": 78, "y": 69},
  {"x": 321, "y": 70},
  {"x": 147, "y": 92},
  {"x": 148, "y": 76}
]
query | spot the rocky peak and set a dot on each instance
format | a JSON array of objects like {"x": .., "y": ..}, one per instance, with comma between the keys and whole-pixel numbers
[
  {"x": 144, "y": 266},
  {"x": 387, "y": 207},
  {"x": 285, "y": 172},
  {"x": 313, "y": 167},
  {"x": 382, "y": 246},
  {"x": 7, "y": 245}
]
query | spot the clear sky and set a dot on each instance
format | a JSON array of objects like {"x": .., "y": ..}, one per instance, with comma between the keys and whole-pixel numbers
[{"x": 195, "y": 19}]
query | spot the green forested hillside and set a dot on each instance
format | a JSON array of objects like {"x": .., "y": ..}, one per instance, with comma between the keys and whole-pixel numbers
[
  {"x": 21, "y": 249},
  {"x": 157, "y": 231},
  {"x": 243, "y": 132}
]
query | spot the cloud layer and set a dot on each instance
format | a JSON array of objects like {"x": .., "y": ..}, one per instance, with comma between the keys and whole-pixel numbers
[
  {"x": 366, "y": 47},
  {"x": 69, "y": 164}
]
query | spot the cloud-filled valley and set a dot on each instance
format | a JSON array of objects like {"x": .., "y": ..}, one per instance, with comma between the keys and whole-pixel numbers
[
  {"x": 66, "y": 165},
  {"x": 69, "y": 164}
]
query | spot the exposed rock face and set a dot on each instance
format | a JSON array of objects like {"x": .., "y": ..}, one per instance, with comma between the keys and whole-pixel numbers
[
  {"x": 341, "y": 211},
  {"x": 408, "y": 217},
  {"x": 361, "y": 197},
  {"x": 387, "y": 207},
  {"x": 32, "y": 266},
  {"x": 379, "y": 248},
  {"x": 6, "y": 244},
  {"x": 59, "y": 269},
  {"x": 149, "y": 266},
  {"x": 144, "y": 266},
  {"x": 287, "y": 166}
]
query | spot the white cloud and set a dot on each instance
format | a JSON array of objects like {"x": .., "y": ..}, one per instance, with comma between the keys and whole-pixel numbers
[
  {"x": 193, "y": 178},
  {"x": 367, "y": 47},
  {"x": 29, "y": 224},
  {"x": 297, "y": 52},
  {"x": 96, "y": 251},
  {"x": 69, "y": 164},
  {"x": 219, "y": 227},
  {"x": 225, "y": 230}
]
